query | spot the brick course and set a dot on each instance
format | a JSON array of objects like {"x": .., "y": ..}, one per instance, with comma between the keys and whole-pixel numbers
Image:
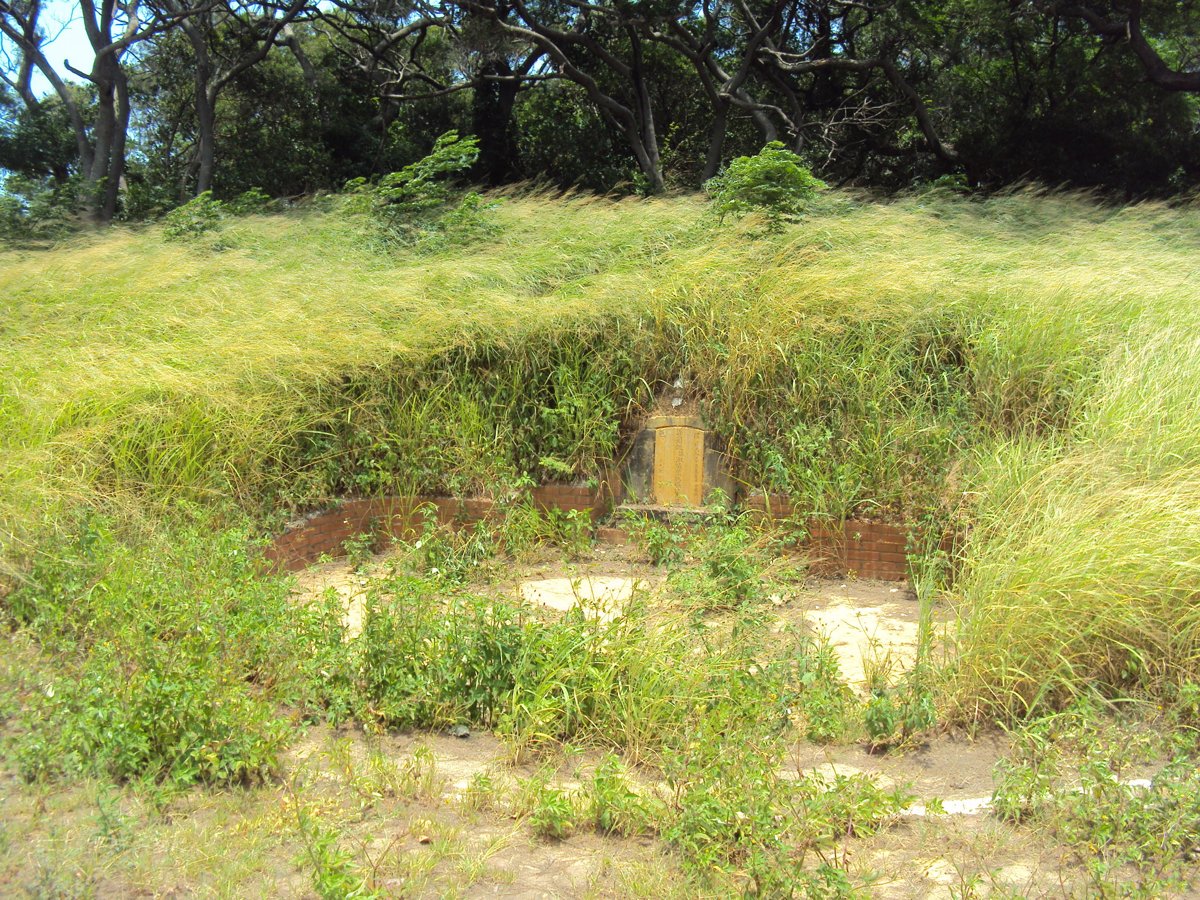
[{"x": 866, "y": 549}]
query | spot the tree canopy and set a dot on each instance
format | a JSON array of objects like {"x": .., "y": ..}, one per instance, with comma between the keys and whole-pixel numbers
[{"x": 180, "y": 97}]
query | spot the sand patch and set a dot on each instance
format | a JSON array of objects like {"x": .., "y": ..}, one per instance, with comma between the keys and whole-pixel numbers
[
  {"x": 870, "y": 641},
  {"x": 600, "y": 597},
  {"x": 350, "y": 587}
]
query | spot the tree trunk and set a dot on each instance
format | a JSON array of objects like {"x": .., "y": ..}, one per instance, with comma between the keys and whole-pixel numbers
[
  {"x": 491, "y": 119},
  {"x": 716, "y": 140},
  {"x": 116, "y": 161},
  {"x": 206, "y": 138},
  {"x": 103, "y": 134}
]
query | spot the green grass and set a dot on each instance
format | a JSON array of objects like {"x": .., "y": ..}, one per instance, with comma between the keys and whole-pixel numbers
[{"x": 1023, "y": 367}]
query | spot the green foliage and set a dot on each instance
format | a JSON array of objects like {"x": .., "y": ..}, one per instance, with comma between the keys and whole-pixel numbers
[
  {"x": 158, "y": 647},
  {"x": 525, "y": 528},
  {"x": 426, "y": 184},
  {"x": 414, "y": 204},
  {"x": 774, "y": 181},
  {"x": 553, "y": 813},
  {"x": 662, "y": 543},
  {"x": 360, "y": 548},
  {"x": 731, "y": 559},
  {"x": 451, "y": 554},
  {"x": 199, "y": 215},
  {"x": 428, "y": 661},
  {"x": 33, "y": 209},
  {"x": 825, "y": 702},
  {"x": 615, "y": 807},
  {"x": 893, "y": 715},
  {"x": 335, "y": 874},
  {"x": 250, "y": 201},
  {"x": 735, "y": 810},
  {"x": 1070, "y": 774}
]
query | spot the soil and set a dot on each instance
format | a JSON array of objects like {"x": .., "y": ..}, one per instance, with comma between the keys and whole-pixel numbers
[{"x": 433, "y": 839}]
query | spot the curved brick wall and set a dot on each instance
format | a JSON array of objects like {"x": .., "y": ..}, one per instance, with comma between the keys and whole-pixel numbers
[
  {"x": 324, "y": 533},
  {"x": 866, "y": 549}
]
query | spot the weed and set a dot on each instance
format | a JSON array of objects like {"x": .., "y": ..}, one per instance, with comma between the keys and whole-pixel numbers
[
  {"x": 428, "y": 662},
  {"x": 662, "y": 544},
  {"x": 730, "y": 559},
  {"x": 554, "y": 813},
  {"x": 481, "y": 793},
  {"x": 144, "y": 692},
  {"x": 200, "y": 214},
  {"x": 360, "y": 548},
  {"x": 1069, "y": 775},
  {"x": 824, "y": 702},
  {"x": 450, "y": 555},
  {"x": 335, "y": 875},
  {"x": 775, "y": 180},
  {"x": 615, "y": 807},
  {"x": 894, "y": 715}
]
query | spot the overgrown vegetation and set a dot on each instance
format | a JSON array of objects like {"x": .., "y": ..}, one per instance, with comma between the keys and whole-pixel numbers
[
  {"x": 977, "y": 368},
  {"x": 774, "y": 180}
]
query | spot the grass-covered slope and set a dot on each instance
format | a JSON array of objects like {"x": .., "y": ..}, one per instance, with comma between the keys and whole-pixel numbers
[{"x": 1027, "y": 365}]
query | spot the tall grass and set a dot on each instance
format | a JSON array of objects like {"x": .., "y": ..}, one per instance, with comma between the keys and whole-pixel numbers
[
  {"x": 1022, "y": 362},
  {"x": 1085, "y": 566}
]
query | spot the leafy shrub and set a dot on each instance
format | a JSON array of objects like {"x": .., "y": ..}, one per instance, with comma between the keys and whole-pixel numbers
[
  {"x": 199, "y": 215},
  {"x": 429, "y": 662},
  {"x": 736, "y": 810},
  {"x": 425, "y": 184},
  {"x": 31, "y": 208},
  {"x": 451, "y": 555},
  {"x": 731, "y": 560},
  {"x": 414, "y": 204},
  {"x": 169, "y": 655},
  {"x": 252, "y": 201},
  {"x": 553, "y": 813},
  {"x": 893, "y": 715},
  {"x": 662, "y": 544},
  {"x": 615, "y": 808},
  {"x": 774, "y": 181},
  {"x": 824, "y": 702}
]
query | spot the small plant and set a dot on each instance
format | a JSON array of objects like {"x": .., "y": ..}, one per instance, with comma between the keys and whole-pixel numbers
[
  {"x": 894, "y": 715},
  {"x": 199, "y": 215},
  {"x": 775, "y": 181},
  {"x": 450, "y": 554},
  {"x": 335, "y": 875},
  {"x": 414, "y": 204},
  {"x": 824, "y": 702},
  {"x": 481, "y": 792},
  {"x": 881, "y": 717},
  {"x": 553, "y": 813},
  {"x": 360, "y": 548},
  {"x": 255, "y": 200},
  {"x": 731, "y": 559},
  {"x": 615, "y": 808},
  {"x": 1025, "y": 780},
  {"x": 662, "y": 544}
]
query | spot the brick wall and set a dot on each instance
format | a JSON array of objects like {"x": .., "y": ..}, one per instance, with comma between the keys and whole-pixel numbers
[
  {"x": 325, "y": 533},
  {"x": 867, "y": 549}
]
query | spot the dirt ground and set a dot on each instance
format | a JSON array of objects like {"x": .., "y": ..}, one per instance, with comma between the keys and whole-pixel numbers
[{"x": 436, "y": 815}]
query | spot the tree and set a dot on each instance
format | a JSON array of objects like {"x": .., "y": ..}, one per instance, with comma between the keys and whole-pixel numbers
[
  {"x": 600, "y": 48},
  {"x": 227, "y": 37},
  {"x": 113, "y": 29},
  {"x": 1126, "y": 23}
]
